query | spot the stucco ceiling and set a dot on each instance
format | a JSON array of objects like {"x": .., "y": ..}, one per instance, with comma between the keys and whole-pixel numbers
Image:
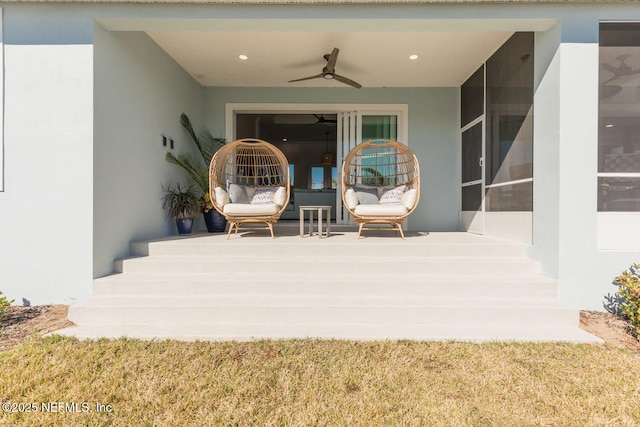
[
  {"x": 373, "y": 52},
  {"x": 373, "y": 59}
]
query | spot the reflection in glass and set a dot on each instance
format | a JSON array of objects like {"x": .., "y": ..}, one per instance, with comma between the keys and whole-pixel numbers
[
  {"x": 509, "y": 122},
  {"x": 510, "y": 198},
  {"x": 379, "y": 127},
  {"x": 472, "y": 97},
  {"x": 472, "y": 197},
  {"x": 619, "y": 116},
  {"x": 472, "y": 153}
]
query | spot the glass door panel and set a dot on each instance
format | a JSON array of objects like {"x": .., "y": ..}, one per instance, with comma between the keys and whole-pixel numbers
[{"x": 471, "y": 218}]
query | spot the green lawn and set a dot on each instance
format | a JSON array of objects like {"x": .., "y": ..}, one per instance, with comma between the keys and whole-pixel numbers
[{"x": 317, "y": 382}]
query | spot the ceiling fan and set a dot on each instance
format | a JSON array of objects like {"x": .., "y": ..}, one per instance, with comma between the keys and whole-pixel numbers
[
  {"x": 328, "y": 72},
  {"x": 321, "y": 120}
]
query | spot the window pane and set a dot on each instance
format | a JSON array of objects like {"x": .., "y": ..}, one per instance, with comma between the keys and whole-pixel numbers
[
  {"x": 379, "y": 127},
  {"x": 619, "y": 194},
  {"x": 510, "y": 198},
  {"x": 471, "y": 153},
  {"x": 291, "y": 174},
  {"x": 317, "y": 177},
  {"x": 619, "y": 116},
  {"x": 472, "y": 197},
  {"x": 472, "y": 97},
  {"x": 619, "y": 109},
  {"x": 334, "y": 177},
  {"x": 509, "y": 151}
]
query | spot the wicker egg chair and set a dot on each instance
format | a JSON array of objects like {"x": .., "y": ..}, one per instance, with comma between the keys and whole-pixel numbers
[
  {"x": 249, "y": 183},
  {"x": 380, "y": 184}
]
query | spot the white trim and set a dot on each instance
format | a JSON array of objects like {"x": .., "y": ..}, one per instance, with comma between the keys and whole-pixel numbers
[
  {"x": 470, "y": 183},
  {"x": 351, "y": 112},
  {"x": 503, "y": 184},
  {"x": 619, "y": 175},
  {"x": 471, "y": 124}
]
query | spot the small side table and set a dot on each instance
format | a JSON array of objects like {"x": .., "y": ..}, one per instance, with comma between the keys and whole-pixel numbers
[{"x": 311, "y": 210}]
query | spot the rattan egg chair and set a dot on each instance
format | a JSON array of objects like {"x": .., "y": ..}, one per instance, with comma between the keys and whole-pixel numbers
[
  {"x": 249, "y": 183},
  {"x": 380, "y": 184}
]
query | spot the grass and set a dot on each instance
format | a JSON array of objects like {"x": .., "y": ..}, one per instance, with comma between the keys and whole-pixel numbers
[{"x": 323, "y": 383}]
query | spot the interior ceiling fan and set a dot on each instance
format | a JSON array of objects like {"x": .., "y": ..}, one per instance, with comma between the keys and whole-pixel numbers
[
  {"x": 322, "y": 120},
  {"x": 621, "y": 71},
  {"x": 328, "y": 72}
]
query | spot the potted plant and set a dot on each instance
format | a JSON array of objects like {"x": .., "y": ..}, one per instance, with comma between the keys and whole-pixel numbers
[
  {"x": 182, "y": 205},
  {"x": 197, "y": 166}
]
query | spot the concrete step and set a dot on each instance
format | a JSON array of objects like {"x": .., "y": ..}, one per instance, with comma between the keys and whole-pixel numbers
[
  {"x": 365, "y": 332},
  {"x": 417, "y": 285},
  {"x": 292, "y": 310},
  {"x": 323, "y": 248},
  {"x": 267, "y": 266}
]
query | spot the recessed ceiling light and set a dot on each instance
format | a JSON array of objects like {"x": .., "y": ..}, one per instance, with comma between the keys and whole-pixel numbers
[
  {"x": 284, "y": 140},
  {"x": 413, "y": 57},
  {"x": 609, "y": 125},
  {"x": 243, "y": 57}
]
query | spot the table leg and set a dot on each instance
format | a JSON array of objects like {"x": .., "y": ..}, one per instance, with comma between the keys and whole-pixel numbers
[
  {"x": 320, "y": 223},
  {"x": 310, "y": 222},
  {"x": 328, "y": 222},
  {"x": 301, "y": 222}
]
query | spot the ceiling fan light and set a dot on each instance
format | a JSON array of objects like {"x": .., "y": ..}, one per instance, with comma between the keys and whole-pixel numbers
[{"x": 328, "y": 76}]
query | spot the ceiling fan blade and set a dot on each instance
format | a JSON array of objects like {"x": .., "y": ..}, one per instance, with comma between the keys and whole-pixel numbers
[
  {"x": 347, "y": 81},
  {"x": 331, "y": 62},
  {"x": 318, "y": 76}
]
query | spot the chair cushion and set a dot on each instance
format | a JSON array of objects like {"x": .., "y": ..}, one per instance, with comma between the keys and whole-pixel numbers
[
  {"x": 238, "y": 193},
  {"x": 250, "y": 209},
  {"x": 263, "y": 195},
  {"x": 409, "y": 198},
  {"x": 392, "y": 194},
  {"x": 351, "y": 198},
  {"x": 366, "y": 195},
  {"x": 387, "y": 209},
  {"x": 280, "y": 197},
  {"x": 222, "y": 197}
]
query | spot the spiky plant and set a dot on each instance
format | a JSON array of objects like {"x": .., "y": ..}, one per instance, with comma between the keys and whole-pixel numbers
[
  {"x": 197, "y": 165},
  {"x": 179, "y": 201}
]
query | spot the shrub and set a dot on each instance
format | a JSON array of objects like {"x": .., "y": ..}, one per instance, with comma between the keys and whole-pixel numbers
[
  {"x": 4, "y": 303},
  {"x": 629, "y": 289}
]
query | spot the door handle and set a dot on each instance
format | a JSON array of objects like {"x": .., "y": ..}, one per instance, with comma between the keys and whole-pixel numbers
[{"x": 481, "y": 162}]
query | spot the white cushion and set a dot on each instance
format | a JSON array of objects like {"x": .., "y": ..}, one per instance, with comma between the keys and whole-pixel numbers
[
  {"x": 250, "y": 209},
  {"x": 351, "y": 198},
  {"x": 263, "y": 195},
  {"x": 409, "y": 198},
  {"x": 222, "y": 197},
  {"x": 280, "y": 198},
  {"x": 366, "y": 195},
  {"x": 392, "y": 194},
  {"x": 387, "y": 209},
  {"x": 238, "y": 193}
]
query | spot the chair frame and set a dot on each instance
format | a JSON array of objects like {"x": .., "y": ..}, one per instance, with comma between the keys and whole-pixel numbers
[
  {"x": 350, "y": 178},
  {"x": 256, "y": 155}
]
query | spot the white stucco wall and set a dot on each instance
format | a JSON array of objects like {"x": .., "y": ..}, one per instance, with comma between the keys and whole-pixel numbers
[
  {"x": 565, "y": 165},
  {"x": 434, "y": 136},
  {"x": 140, "y": 93},
  {"x": 46, "y": 205}
]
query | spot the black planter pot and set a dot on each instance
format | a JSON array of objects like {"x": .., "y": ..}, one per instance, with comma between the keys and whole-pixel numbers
[
  {"x": 216, "y": 222},
  {"x": 185, "y": 225}
]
